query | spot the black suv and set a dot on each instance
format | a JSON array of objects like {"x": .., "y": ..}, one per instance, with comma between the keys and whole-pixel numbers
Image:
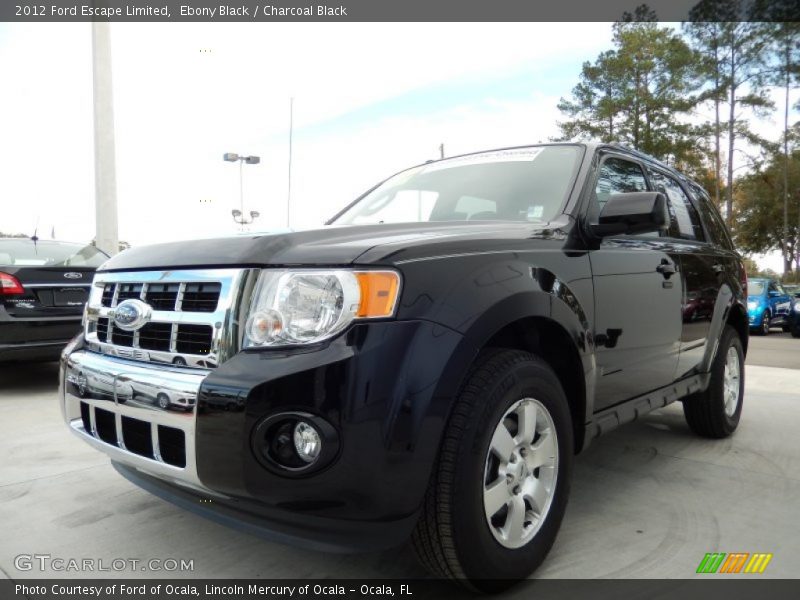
[{"x": 426, "y": 366}]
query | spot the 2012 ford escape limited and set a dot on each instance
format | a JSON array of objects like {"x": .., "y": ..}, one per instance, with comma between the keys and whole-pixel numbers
[{"x": 425, "y": 366}]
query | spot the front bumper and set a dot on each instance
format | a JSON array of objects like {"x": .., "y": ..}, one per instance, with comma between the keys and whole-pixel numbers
[
  {"x": 754, "y": 316},
  {"x": 107, "y": 403},
  {"x": 379, "y": 386}
]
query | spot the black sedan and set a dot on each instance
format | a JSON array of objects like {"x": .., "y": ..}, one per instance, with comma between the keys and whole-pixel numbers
[{"x": 43, "y": 288}]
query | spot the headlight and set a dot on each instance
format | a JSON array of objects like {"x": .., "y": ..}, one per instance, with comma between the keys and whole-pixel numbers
[
  {"x": 797, "y": 306},
  {"x": 752, "y": 305},
  {"x": 292, "y": 307}
]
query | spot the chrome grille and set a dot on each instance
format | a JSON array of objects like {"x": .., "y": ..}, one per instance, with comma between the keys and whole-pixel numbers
[
  {"x": 158, "y": 336},
  {"x": 200, "y": 297},
  {"x": 108, "y": 294},
  {"x": 185, "y": 296},
  {"x": 194, "y": 320},
  {"x": 164, "y": 337},
  {"x": 162, "y": 296}
]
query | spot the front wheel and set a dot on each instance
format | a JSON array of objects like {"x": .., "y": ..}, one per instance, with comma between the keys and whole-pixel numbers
[
  {"x": 764, "y": 329},
  {"x": 163, "y": 401},
  {"x": 715, "y": 413},
  {"x": 499, "y": 491}
]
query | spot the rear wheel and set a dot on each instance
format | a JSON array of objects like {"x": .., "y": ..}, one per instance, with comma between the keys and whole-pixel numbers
[
  {"x": 715, "y": 413},
  {"x": 498, "y": 493}
]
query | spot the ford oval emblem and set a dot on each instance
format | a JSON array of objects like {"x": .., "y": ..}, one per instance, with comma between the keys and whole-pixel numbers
[
  {"x": 73, "y": 275},
  {"x": 131, "y": 314}
]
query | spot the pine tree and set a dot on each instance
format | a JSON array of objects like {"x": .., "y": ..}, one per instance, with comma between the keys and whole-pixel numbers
[{"x": 633, "y": 93}]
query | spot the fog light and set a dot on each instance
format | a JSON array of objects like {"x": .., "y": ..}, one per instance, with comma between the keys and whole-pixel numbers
[
  {"x": 307, "y": 442},
  {"x": 295, "y": 444}
]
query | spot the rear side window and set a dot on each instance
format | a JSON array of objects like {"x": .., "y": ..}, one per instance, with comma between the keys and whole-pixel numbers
[
  {"x": 711, "y": 217},
  {"x": 685, "y": 222}
]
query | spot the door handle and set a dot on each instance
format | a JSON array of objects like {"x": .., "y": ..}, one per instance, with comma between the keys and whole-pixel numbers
[{"x": 666, "y": 268}]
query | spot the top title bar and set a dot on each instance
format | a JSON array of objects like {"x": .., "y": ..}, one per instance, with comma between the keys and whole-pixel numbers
[{"x": 387, "y": 10}]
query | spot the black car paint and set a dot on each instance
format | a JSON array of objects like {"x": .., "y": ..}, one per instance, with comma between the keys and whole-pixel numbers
[
  {"x": 33, "y": 326},
  {"x": 599, "y": 310}
]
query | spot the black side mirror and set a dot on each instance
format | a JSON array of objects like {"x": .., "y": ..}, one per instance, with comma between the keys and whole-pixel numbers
[{"x": 631, "y": 213}]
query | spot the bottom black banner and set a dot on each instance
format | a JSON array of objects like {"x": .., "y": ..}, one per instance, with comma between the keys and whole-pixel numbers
[{"x": 705, "y": 588}]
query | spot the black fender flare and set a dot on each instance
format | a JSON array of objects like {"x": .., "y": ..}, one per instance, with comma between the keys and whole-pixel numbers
[
  {"x": 551, "y": 306},
  {"x": 725, "y": 304}
]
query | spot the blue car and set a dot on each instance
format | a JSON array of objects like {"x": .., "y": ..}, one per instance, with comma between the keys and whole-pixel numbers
[{"x": 768, "y": 305}]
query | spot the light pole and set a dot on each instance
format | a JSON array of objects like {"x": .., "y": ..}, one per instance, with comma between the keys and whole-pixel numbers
[{"x": 238, "y": 215}]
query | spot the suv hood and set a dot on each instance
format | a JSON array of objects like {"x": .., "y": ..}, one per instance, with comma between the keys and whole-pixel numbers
[{"x": 364, "y": 244}]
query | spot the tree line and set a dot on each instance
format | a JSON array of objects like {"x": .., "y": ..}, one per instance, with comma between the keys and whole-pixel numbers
[{"x": 655, "y": 88}]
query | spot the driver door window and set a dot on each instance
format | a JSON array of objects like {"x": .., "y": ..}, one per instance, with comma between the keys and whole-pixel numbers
[{"x": 618, "y": 176}]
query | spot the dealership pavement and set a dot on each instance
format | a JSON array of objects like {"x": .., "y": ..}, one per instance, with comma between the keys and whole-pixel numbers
[{"x": 648, "y": 501}]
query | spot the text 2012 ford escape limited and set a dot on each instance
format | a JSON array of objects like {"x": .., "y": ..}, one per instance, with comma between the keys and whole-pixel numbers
[{"x": 428, "y": 364}]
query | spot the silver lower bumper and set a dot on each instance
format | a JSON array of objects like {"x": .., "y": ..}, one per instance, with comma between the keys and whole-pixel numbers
[{"x": 141, "y": 416}]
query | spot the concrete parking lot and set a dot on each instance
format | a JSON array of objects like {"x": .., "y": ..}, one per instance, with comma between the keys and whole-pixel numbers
[{"x": 648, "y": 501}]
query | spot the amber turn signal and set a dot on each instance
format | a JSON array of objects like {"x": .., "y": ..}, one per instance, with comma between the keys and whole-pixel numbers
[{"x": 379, "y": 290}]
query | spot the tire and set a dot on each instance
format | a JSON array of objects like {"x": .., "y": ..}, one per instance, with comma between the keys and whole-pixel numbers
[
  {"x": 707, "y": 413},
  {"x": 163, "y": 400},
  {"x": 454, "y": 538},
  {"x": 764, "y": 327},
  {"x": 796, "y": 333}
]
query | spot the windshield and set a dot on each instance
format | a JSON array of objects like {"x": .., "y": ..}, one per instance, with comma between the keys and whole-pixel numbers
[
  {"x": 755, "y": 288},
  {"x": 525, "y": 184},
  {"x": 24, "y": 252}
]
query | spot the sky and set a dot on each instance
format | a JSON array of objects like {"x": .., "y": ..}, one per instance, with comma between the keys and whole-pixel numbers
[{"x": 369, "y": 99}]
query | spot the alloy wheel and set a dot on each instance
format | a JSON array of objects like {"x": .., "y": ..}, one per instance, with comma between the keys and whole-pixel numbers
[
  {"x": 731, "y": 381},
  {"x": 520, "y": 473}
]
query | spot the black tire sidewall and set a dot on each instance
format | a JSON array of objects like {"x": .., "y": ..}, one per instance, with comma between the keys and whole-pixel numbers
[{"x": 482, "y": 557}]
